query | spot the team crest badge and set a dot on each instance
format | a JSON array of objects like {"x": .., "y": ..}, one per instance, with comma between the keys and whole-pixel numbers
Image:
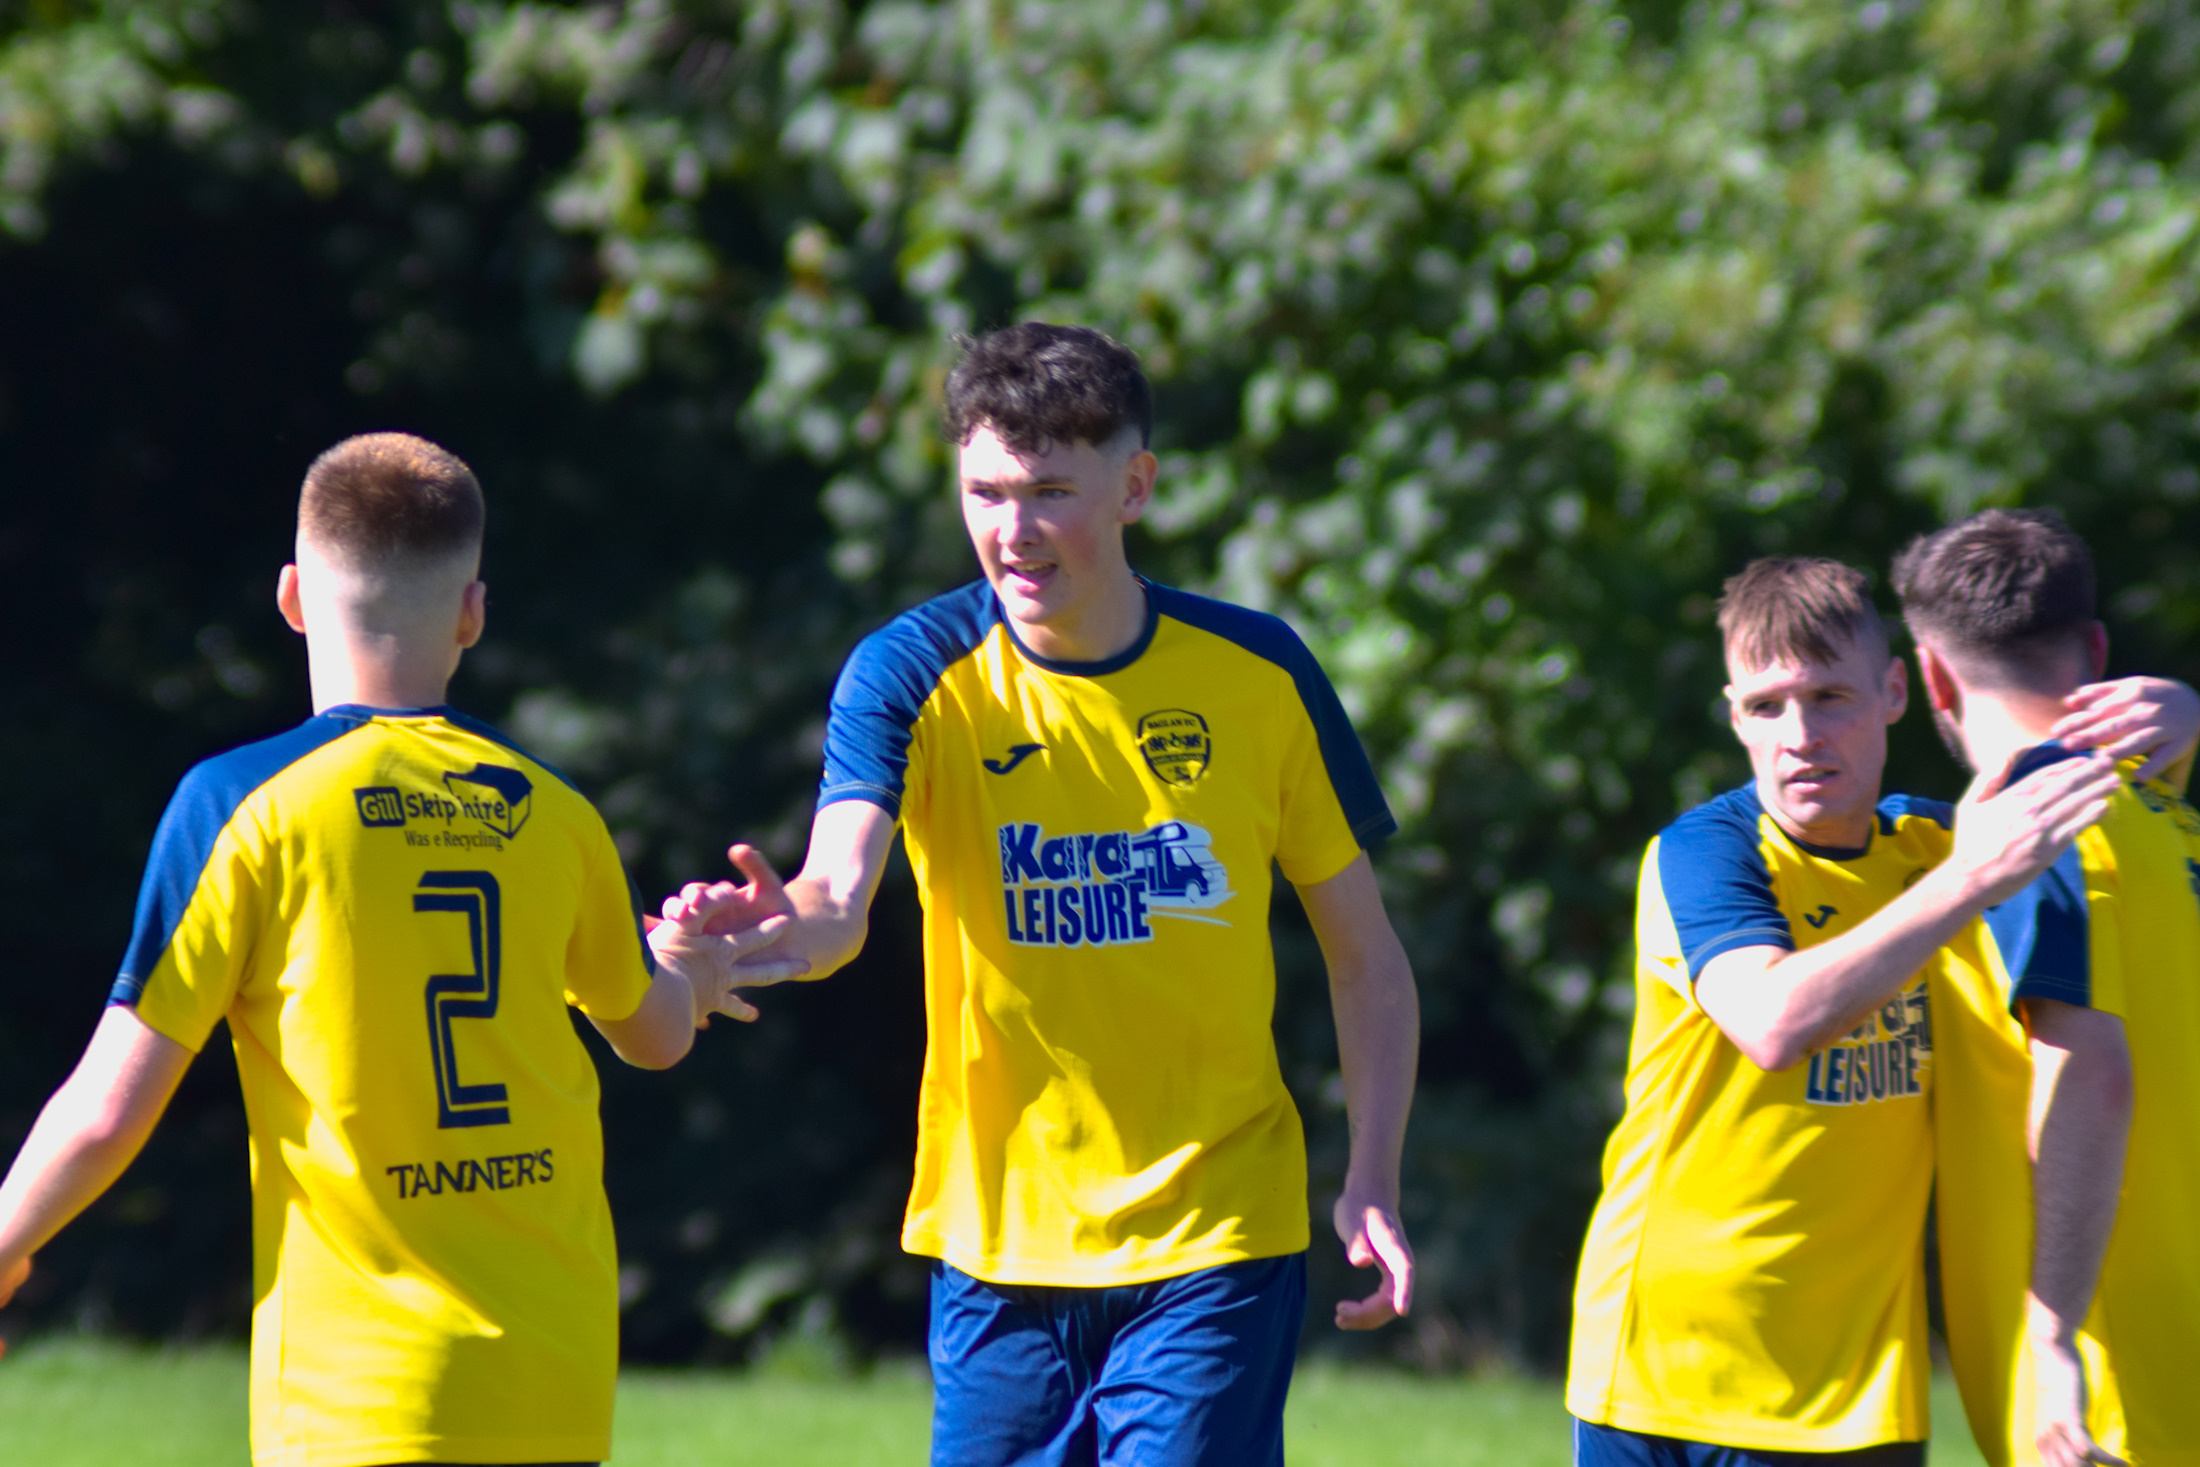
[{"x": 1176, "y": 744}]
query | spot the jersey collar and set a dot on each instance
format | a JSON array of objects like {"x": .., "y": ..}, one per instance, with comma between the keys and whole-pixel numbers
[
  {"x": 363, "y": 712},
  {"x": 1105, "y": 665}
]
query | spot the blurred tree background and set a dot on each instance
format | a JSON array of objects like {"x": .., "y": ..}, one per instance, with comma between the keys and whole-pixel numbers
[{"x": 1488, "y": 338}]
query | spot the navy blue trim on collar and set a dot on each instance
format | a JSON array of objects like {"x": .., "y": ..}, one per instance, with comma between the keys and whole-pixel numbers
[
  {"x": 1826, "y": 853},
  {"x": 1103, "y": 666},
  {"x": 365, "y": 711}
]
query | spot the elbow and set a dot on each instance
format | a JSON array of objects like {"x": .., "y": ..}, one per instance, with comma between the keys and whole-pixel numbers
[
  {"x": 658, "y": 1054},
  {"x": 1774, "y": 1053},
  {"x": 1771, "y": 1048}
]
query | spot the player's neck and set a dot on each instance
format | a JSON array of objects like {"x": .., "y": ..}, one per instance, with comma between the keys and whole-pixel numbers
[
  {"x": 1994, "y": 725},
  {"x": 1109, "y": 624},
  {"x": 1848, "y": 831},
  {"x": 376, "y": 672}
]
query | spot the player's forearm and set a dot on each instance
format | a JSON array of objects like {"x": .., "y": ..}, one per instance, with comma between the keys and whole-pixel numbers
[
  {"x": 1378, "y": 1016},
  {"x": 830, "y": 923},
  {"x": 2080, "y": 1121},
  {"x": 90, "y": 1131},
  {"x": 1780, "y": 1014},
  {"x": 660, "y": 1032},
  {"x": 69, "y": 1160}
]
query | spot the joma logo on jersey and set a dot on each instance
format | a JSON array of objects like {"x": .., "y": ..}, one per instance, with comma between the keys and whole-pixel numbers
[
  {"x": 1176, "y": 745},
  {"x": 1094, "y": 890},
  {"x": 1889, "y": 1062}
]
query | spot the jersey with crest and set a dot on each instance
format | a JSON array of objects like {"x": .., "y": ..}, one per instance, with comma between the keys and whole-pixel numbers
[
  {"x": 2113, "y": 926},
  {"x": 393, "y": 910},
  {"x": 1753, "y": 1274},
  {"x": 1093, "y": 843}
]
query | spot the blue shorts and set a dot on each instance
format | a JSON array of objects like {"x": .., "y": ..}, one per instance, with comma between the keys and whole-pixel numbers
[
  {"x": 1610, "y": 1446},
  {"x": 1182, "y": 1372}
]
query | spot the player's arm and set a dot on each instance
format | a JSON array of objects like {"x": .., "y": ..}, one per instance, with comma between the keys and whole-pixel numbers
[
  {"x": 1778, "y": 1006},
  {"x": 827, "y": 906},
  {"x": 88, "y": 1134},
  {"x": 661, "y": 1030},
  {"x": 2151, "y": 716},
  {"x": 2079, "y": 1121},
  {"x": 1378, "y": 1049}
]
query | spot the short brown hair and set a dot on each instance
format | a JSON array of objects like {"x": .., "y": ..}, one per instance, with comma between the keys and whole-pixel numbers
[
  {"x": 2012, "y": 586},
  {"x": 383, "y": 497},
  {"x": 1800, "y": 608}
]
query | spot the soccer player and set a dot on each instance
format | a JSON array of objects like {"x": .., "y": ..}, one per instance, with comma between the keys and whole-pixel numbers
[
  {"x": 393, "y": 907},
  {"x": 1093, "y": 775},
  {"x": 2057, "y": 1291},
  {"x": 1752, "y": 1283}
]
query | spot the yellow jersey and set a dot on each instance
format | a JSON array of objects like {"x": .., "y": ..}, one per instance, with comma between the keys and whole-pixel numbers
[
  {"x": 2113, "y": 926},
  {"x": 1093, "y": 844},
  {"x": 393, "y": 910},
  {"x": 1753, "y": 1274}
]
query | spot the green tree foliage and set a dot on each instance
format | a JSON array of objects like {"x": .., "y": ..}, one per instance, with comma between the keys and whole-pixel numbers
[{"x": 1488, "y": 338}]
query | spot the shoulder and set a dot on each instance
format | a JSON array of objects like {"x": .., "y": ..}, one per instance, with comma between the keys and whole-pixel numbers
[
  {"x": 1897, "y": 811},
  {"x": 1727, "y": 825},
  {"x": 211, "y": 793},
  {"x": 916, "y": 647},
  {"x": 1266, "y": 636},
  {"x": 512, "y": 790}
]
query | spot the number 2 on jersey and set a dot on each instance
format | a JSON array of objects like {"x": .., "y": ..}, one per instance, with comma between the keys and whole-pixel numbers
[{"x": 451, "y": 996}]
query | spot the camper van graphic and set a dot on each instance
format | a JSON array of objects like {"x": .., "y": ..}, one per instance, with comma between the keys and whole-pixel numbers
[{"x": 1100, "y": 889}]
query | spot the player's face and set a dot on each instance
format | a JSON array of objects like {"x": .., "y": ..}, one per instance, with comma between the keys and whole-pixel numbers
[
  {"x": 1817, "y": 739},
  {"x": 1048, "y": 527}
]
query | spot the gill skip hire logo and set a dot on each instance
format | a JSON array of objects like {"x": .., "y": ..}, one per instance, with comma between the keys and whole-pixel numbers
[{"x": 498, "y": 797}]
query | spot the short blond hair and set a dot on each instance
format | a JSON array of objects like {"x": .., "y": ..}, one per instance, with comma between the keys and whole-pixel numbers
[
  {"x": 1798, "y": 609},
  {"x": 384, "y": 498}
]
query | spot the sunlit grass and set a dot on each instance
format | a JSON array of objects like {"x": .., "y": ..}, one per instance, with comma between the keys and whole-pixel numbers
[{"x": 88, "y": 1403}]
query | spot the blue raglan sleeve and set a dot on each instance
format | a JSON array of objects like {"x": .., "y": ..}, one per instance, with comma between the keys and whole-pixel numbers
[
  {"x": 882, "y": 692},
  {"x": 1717, "y": 888},
  {"x": 2043, "y": 935}
]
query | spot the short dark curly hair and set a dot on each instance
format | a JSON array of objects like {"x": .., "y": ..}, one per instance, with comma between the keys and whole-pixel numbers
[{"x": 1038, "y": 385}]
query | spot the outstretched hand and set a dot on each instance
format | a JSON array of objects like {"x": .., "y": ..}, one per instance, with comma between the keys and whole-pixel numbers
[
  {"x": 715, "y": 964},
  {"x": 732, "y": 931},
  {"x": 2154, "y": 716},
  {"x": 2006, "y": 835},
  {"x": 726, "y": 906},
  {"x": 1374, "y": 1238}
]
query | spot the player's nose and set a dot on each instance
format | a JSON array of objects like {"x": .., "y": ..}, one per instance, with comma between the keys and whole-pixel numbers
[{"x": 1020, "y": 527}]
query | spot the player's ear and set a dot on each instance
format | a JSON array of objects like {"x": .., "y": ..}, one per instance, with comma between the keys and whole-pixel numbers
[
  {"x": 473, "y": 613},
  {"x": 1898, "y": 688},
  {"x": 2096, "y": 650},
  {"x": 1139, "y": 472},
  {"x": 1940, "y": 683},
  {"x": 287, "y": 599}
]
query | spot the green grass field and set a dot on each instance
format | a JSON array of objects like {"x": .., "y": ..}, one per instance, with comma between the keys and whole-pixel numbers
[{"x": 77, "y": 1403}]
